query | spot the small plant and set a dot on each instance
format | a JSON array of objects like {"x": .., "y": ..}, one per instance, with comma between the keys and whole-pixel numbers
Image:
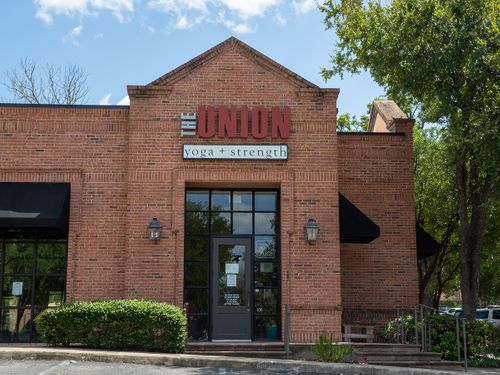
[{"x": 328, "y": 351}]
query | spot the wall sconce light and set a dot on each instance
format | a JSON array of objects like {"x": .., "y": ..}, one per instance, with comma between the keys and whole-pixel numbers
[
  {"x": 311, "y": 231},
  {"x": 154, "y": 229}
]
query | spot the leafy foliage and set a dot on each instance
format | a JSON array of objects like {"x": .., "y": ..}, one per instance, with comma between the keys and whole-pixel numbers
[
  {"x": 442, "y": 57},
  {"x": 482, "y": 337},
  {"x": 328, "y": 351},
  {"x": 115, "y": 324}
]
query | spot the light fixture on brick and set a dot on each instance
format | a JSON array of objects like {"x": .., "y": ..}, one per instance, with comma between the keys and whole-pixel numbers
[
  {"x": 311, "y": 230},
  {"x": 154, "y": 229}
]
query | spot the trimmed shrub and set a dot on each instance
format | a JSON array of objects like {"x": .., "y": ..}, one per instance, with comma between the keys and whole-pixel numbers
[{"x": 115, "y": 324}]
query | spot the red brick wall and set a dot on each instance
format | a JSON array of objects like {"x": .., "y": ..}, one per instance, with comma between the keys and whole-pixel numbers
[
  {"x": 158, "y": 178},
  {"x": 376, "y": 174},
  {"x": 84, "y": 146}
]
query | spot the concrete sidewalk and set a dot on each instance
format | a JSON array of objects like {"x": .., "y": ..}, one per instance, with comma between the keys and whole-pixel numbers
[{"x": 187, "y": 360}]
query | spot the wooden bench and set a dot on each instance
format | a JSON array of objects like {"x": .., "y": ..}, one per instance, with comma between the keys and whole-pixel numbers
[{"x": 348, "y": 335}]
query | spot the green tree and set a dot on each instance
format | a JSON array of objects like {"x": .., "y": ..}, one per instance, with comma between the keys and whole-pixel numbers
[
  {"x": 444, "y": 56},
  {"x": 349, "y": 123}
]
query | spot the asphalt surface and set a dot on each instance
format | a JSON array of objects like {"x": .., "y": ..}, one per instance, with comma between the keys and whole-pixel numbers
[{"x": 41, "y": 367}]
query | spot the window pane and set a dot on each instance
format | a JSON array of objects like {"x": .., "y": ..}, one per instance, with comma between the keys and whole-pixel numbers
[
  {"x": 15, "y": 324},
  {"x": 242, "y": 223},
  {"x": 266, "y": 328},
  {"x": 265, "y": 223},
  {"x": 266, "y": 274},
  {"x": 51, "y": 258},
  {"x": 231, "y": 275},
  {"x": 16, "y": 291},
  {"x": 19, "y": 257},
  {"x": 49, "y": 291},
  {"x": 197, "y": 248},
  {"x": 242, "y": 200},
  {"x": 266, "y": 301},
  {"x": 221, "y": 200},
  {"x": 221, "y": 223},
  {"x": 265, "y": 200},
  {"x": 197, "y": 222},
  {"x": 265, "y": 247},
  {"x": 198, "y": 327},
  {"x": 196, "y": 274},
  {"x": 197, "y": 200},
  {"x": 198, "y": 300},
  {"x": 496, "y": 314}
]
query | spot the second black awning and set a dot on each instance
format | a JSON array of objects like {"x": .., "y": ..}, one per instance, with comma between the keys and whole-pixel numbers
[
  {"x": 355, "y": 226},
  {"x": 426, "y": 244},
  {"x": 34, "y": 205}
]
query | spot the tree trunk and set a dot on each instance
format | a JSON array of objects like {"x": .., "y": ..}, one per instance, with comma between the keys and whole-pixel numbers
[{"x": 472, "y": 215}]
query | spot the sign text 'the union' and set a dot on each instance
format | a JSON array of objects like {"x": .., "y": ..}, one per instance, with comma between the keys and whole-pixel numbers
[{"x": 254, "y": 122}]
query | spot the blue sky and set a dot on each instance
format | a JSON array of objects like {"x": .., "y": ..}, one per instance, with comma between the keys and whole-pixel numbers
[{"x": 132, "y": 42}]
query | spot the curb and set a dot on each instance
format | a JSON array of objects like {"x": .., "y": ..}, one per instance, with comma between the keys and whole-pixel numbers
[{"x": 189, "y": 360}]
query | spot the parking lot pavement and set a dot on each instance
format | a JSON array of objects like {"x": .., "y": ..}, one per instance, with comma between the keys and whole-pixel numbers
[{"x": 41, "y": 367}]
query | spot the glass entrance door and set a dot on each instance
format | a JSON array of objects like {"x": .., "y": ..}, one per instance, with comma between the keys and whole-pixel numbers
[{"x": 231, "y": 308}]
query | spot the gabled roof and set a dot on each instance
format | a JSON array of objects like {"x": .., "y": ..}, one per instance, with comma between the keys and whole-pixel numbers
[{"x": 236, "y": 44}]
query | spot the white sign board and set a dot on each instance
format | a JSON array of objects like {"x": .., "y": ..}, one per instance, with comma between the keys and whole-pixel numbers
[
  {"x": 231, "y": 280},
  {"x": 232, "y": 268},
  {"x": 17, "y": 288},
  {"x": 238, "y": 152}
]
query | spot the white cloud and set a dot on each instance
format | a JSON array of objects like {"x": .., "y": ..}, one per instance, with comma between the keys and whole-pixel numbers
[
  {"x": 73, "y": 35},
  {"x": 182, "y": 23},
  {"x": 304, "y": 6},
  {"x": 248, "y": 9},
  {"x": 279, "y": 19},
  {"x": 237, "y": 27},
  {"x": 125, "y": 101},
  {"x": 46, "y": 9},
  {"x": 99, "y": 36},
  {"x": 177, "y": 6},
  {"x": 105, "y": 99}
]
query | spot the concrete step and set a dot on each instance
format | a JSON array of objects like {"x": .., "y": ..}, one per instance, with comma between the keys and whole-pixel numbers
[
  {"x": 277, "y": 354},
  {"x": 235, "y": 347},
  {"x": 376, "y": 347},
  {"x": 371, "y": 357}
]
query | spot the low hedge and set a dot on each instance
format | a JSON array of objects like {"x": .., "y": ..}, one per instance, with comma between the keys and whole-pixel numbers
[{"x": 115, "y": 324}]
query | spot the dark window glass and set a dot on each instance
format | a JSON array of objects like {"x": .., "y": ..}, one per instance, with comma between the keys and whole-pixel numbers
[
  {"x": 198, "y": 300},
  {"x": 198, "y": 327},
  {"x": 482, "y": 314},
  {"x": 266, "y": 328},
  {"x": 197, "y": 274},
  {"x": 242, "y": 200},
  {"x": 197, "y": 248},
  {"x": 242, "y": 223},
  {"x": 266, "y": 301},
  {"x": 265, "y": 247},
  {"x": 51, "y": 257},
  {"x": 197, "y": 200},
  {"x": 197, "y": 222},
  {"x": 221, "y": 223},
  {"x": 231, "y": 275},
  {"x": 15, "y": 324},
  {"x": 16, "y": 291},
  {"x": 265, "y": 200},
  {"x": 266, "y": 274},
  {"x": 221, "y": 200},
  {"x": 49, "y": 291},
  {"x": 496, "y": 314},
  {"x": 19, "y": 257},
  {"x": 265, "y": 223}
]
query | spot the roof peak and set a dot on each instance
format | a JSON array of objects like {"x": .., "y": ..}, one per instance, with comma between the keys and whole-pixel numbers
[{"x": 232, "y": 43}]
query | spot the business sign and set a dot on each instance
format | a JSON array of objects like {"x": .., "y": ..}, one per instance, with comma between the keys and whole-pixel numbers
[
  {"x": 223, "y": 122},
  {"x": 238, "y": 152}
]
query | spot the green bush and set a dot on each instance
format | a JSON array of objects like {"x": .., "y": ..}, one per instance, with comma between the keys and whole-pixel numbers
[
  {"x": 328, "y": 351},
  {"x": 115, "y": 324},
  {"x": 482, "y": 337}
]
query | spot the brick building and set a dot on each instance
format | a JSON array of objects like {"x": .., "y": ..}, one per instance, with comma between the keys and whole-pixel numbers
[{"x": 233, "y": 154}]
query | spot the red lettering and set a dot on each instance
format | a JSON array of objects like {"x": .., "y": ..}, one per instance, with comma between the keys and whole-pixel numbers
[
  {"x": 206, "y": 129},
  {"x": 227, "y": 124},
  {"x": 259, "y": 122},
  {"x": 244, "y": 122},
  {"x": 280, "y": 125}
]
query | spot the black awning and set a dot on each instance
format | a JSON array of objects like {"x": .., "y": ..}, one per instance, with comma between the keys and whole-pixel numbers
[
  {"x": 355, "y": 226},
  {"x": 34, "y": 205},
  {"x": 426, "y": 244}
]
